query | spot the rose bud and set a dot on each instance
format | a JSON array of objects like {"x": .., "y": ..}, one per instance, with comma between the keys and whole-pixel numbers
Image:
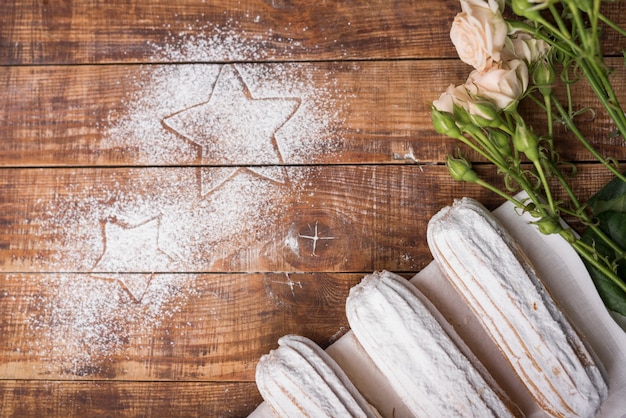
[
  {"x": 501, "y": 141},
  {"x": 485, "y": 114},
  {"x": 527, "y": 9},
  {"x": 461, "y": 170},
  {"x": 526, "y": 142},
  {"x": 548, "y": 225},
  {"x": 443, "y": 122},
  {"x": 543, "y": 77}
]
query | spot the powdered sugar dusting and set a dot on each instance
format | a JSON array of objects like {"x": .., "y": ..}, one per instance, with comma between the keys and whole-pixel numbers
[
  {"x": 79, "y": 326},
  {"x": 313, "y": 130},
  {"x": 128, "y": 231},
  {"x": 228, "y": 42}
]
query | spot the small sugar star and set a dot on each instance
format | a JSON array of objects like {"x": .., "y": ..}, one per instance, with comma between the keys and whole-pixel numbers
[{"x": 129, "y": 251}]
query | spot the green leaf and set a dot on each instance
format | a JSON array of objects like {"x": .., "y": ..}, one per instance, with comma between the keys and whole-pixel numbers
[
  {"x": 614, "y": 224},
  {"x": 612, "y": 295},
  {"x": 609, "y": 209},
  {"x": 611, "y": 197}
]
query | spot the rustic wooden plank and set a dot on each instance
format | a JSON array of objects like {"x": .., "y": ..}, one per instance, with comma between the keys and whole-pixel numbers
[
  {"x": 184, "y": 327},
  {"x": 52, "y": 399},
  {"x": 315, "y": 113},
  {"x": 74, "y": 31},
  {"x": 228, "y": 219},
  {"x": 219, "y": 219},
  {"x": 121, "y": 31}
]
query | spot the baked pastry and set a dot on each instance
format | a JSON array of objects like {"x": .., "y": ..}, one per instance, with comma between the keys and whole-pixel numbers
[
  {"x": 423, "y": 364},
  {"x": 299, "y": 379},
  {"x": 490, "y": 271}
]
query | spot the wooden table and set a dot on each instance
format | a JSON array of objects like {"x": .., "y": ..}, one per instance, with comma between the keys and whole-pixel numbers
[{"x": 183, "y": 182}]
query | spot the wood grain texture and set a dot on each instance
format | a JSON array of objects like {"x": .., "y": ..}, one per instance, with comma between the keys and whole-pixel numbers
[
  {"x": 208, "y": 327},
  {"x": 366, "y": 112},
  {"x": 144, "y": 266},
  {"x": 20, "y": 398},
  {"x": 69, "y": 220},
  {"x": 74, "y": 31},
  {"x": 71, "y": 31},
  {"x": 364, "y": 217}
]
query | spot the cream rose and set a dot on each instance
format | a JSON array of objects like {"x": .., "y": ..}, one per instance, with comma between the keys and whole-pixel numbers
[
  {"x": 461, "y": 97},
  {"x": 523, "y": 45},
  {"x": 445, "y": 102},
  {"x": 502, "y": 85},
  {"x": 479, "y": 33}
]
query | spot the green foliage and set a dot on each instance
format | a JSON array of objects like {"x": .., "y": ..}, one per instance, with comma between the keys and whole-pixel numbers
[{"x": 609, "y": 209}]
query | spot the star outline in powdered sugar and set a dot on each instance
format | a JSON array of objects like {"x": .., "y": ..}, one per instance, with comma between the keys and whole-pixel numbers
[
  {"x": 200, "y": 125},
  {"x": 124, "y": 265}
]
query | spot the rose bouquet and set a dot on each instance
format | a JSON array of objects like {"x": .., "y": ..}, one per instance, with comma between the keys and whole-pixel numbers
[{"x": 546, "y": 45}]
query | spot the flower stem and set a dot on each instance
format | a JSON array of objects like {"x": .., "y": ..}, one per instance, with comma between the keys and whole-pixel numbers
[
  {"x": 587, "y": 57},
  {"x": 546, "y": 186},
  {"x": 559, "y": 21},
  {"x": 599, "y": 82},
  {"x": 480, "y": 137},
  {"x": 588, "y": 45},
  {"x": 583, "y": 251},
  {"x": 547, "y": 99},
  {"x": 572, "y": 49},
  {"x": 580, "y": 214},
  {"x": 593, "y": 17},
  {"x": 480, "y": 151},
  {"x": 612, "y": 25},
  {"x": 574, "y": 129},
  {"x": 497, "y": 191}
]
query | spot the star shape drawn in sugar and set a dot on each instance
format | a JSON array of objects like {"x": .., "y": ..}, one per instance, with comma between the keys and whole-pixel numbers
[
  {"x": 236, "y": 130},
  {"x": 131, "y": 256}
]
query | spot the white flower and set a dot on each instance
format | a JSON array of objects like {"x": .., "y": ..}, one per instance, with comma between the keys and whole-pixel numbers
[
  {"x": 479, "y": 33},
  {"x": 459, "y": 96},
  {"x": 502, "y": 85},
  {"x": 523, "y": 45},
  {"x": 453, "y": 95}
]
